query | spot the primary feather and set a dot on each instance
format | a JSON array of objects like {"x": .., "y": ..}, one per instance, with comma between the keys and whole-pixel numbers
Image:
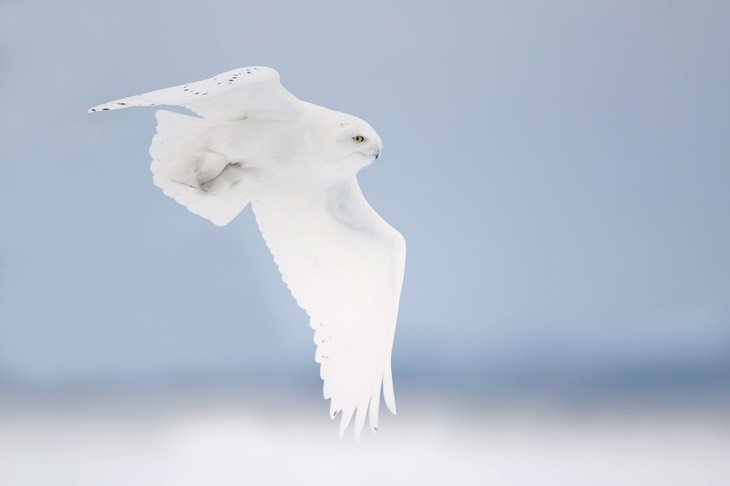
[{"x": 296, "y": 163}]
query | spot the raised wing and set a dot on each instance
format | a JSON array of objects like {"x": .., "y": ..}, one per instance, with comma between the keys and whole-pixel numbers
[
  {"x": 250, "y": 92},
  {"x": 344, "y": 265}
]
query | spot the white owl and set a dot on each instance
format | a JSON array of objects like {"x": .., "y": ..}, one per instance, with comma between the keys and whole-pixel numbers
[{"x": 296, "y": 163}]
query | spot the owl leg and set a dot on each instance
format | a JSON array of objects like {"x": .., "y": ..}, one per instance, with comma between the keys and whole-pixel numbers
[
  {"x": 231, "y": 175},
  {"x": 210, "y": 172}
]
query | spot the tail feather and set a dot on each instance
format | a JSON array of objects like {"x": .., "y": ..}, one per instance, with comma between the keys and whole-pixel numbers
[{"x": 202, "y": 181}]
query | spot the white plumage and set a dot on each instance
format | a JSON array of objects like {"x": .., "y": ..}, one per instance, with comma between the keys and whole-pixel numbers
[{"x": 296, "y": 163}]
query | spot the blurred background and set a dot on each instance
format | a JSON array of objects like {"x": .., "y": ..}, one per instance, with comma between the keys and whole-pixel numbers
[{"x": 559, "y": 169}]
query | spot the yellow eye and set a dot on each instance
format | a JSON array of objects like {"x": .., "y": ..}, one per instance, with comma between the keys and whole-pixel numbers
[{"x": 358, "y": 138}]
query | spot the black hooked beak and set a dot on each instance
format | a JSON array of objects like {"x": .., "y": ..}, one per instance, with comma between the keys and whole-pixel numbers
[{"x": 377, "y": 154}]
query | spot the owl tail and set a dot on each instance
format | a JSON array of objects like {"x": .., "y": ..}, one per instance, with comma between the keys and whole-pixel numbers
[{"x": 201, "y": 180}]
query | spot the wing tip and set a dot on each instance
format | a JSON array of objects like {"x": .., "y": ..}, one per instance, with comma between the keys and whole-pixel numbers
[{"x": 119, "y": 104}]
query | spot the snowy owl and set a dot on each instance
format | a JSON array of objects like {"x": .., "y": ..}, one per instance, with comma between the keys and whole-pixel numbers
[{"x": 296, "y": 163}]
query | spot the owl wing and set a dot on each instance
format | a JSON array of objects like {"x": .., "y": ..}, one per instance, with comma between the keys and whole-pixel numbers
[
  {"x": 250, "y": 92},
  {"x": 344, "y": 265}
]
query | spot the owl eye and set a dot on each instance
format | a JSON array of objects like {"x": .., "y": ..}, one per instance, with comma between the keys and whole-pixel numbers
[{"x": 358, "y": 138}]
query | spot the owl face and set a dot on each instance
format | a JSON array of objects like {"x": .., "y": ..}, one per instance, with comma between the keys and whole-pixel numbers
[
  {"x": 344, "y": 144},
  {"x": 356, "y": 137}
]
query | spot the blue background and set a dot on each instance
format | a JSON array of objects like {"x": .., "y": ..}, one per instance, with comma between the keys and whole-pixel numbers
[{"x": 559, "y": 170}]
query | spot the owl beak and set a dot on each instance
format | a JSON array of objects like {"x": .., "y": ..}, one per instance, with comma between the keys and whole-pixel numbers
[{"x": 377, "y": 154}]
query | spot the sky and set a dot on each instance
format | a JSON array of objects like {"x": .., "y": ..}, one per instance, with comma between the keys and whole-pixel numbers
[{"x": 558, "y": 169}]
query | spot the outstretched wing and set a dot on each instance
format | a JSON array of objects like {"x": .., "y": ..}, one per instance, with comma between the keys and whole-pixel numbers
[
  {"x": 344, "y": 265},
  {"x": 250, "y": 92}
]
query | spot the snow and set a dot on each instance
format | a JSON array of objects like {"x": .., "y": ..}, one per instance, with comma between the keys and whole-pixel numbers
[{"x": 222, "y": 441}]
